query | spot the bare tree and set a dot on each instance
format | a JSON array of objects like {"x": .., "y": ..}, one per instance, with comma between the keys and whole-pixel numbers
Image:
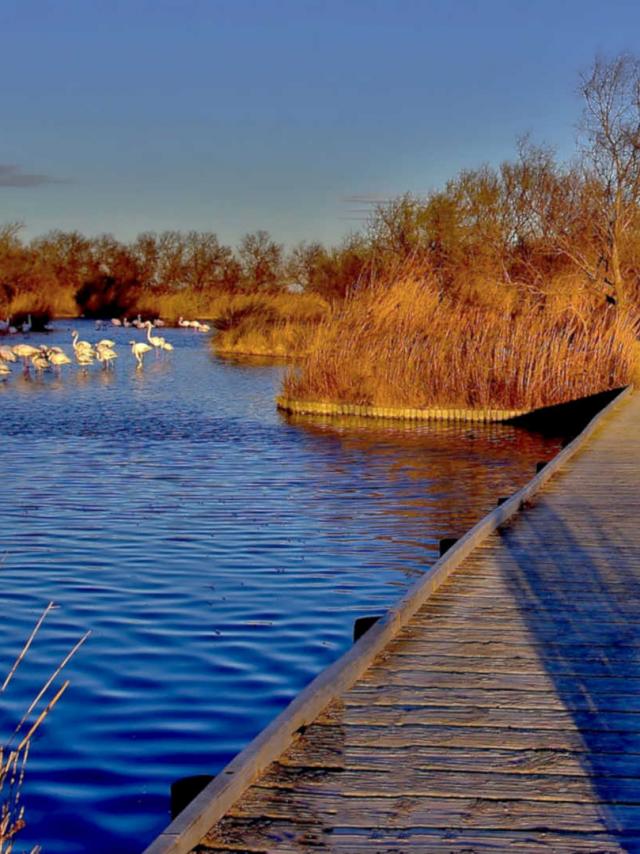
[
  {"x": 208, "y": 263},
  {"x": 261, "y": 259},
  {"x": 611, "y": 146},
  {"x": 550, "y": 208},
  {"x": 305, "y": 263},
  {"x": 145, "y": 250}
]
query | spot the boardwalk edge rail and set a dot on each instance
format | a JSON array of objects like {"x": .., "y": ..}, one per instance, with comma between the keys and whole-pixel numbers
[{"x": 192, "y": 824}]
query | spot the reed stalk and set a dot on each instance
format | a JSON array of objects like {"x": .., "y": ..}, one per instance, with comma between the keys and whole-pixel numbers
[{"x": 14, "y": 750}]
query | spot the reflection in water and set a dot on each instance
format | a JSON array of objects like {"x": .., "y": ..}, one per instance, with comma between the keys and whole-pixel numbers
[
  {"x": 218, "y": 551},
  {"x": 428, "y": 465},
  {"x": 249, "y": 361},
  {"x": 105, "y": 376}
]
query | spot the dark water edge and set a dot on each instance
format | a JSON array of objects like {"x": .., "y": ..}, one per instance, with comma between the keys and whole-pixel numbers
[{"x": 218, "y": 551}]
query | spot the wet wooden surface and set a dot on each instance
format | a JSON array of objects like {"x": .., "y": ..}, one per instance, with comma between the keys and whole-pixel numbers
[{"x": 506, "y": 714}]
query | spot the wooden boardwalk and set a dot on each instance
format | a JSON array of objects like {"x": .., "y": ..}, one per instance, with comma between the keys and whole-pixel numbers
[{"x": 506, "y": 713}]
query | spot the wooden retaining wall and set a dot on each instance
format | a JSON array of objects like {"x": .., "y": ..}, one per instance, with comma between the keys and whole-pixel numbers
[{"x": 305, "y": 407}]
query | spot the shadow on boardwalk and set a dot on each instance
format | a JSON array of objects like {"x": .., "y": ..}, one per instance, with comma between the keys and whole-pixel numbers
[{"x": 577, "y": 584}]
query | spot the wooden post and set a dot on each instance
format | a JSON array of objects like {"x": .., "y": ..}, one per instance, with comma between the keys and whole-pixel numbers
[
  {"x": 362, "y": 625},
  {"x": 184, "y": 790},
  {"x": 446, "y": 544}
]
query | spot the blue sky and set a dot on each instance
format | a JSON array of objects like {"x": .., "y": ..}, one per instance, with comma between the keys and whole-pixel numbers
[{"x": 233, "y": 115}]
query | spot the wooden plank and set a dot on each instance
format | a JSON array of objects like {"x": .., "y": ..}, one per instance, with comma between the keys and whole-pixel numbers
[
  {"x": 508, "y": 585},
  {"x": 596, "y": 686},
  {"x": 513, "y": 698},
  {"x": 329, "y": 750},
  {"x": 403, "y": 715},
  {"x": 255, "y": 837},
  {"x": 527, "y": 609},
  {"x": 547, "y": 637},
  {"x": 513, "y": 664},
  {"x": 619, "y": 655},
  {"x": 433, "y": 812},
  {"x": 479, "y": 606},
  {"x": 410, "y": 781},
  {"x": 551, "y": 625},
  {"x": 517, "y": 738}
]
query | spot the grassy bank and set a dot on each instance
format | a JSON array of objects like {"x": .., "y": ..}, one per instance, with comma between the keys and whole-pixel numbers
[{"x": 409, "y": 345}]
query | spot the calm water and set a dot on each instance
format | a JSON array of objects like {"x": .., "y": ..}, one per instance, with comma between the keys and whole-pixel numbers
[{"x": 218, "y": 552}]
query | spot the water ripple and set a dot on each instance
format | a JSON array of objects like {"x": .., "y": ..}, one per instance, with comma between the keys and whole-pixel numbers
[{"x": 218, "y": 552}]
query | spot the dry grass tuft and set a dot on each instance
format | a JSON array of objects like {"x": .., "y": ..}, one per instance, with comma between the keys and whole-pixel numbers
[{"x": 409, "y": 345}]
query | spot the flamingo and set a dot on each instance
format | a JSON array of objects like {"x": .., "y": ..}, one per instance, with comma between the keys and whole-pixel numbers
[
  {"x": 158, "y": 322},
  {"x": 59, "y": 359},
  {"x": 40, "y": 362},
  {"x": 139, "y": 348},
  {"x": 203, "y": 327},
  {"x": 84, "y": 358},
  {"x": 56, "y": 356},
  {"x": 184, "y": 323},
  {"x": 7, "y": 354},
  {"x": 166, "y": 346},
  {"x": 26, "y": 326},
  {"x": 116, "y": 321},
  {"x": 24, "y": 352},
  {"x": 106, "y": 342},
  {"x": 80, "y": 346},
  {"x": 155, "y": 340},
  {"x": 105, "y": 355}
]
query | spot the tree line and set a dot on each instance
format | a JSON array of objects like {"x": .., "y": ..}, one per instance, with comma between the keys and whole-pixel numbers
[{"x": 533, "y": 225}]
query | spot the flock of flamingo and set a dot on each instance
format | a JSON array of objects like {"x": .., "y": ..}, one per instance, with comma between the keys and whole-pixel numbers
[
  {"x": 45, "y": 358},
  {"x": 185, "y": 324}
]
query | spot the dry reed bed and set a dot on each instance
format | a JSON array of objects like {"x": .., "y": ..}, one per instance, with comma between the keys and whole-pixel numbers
[
  {"x": 278, "y": 324},
  {"x": 407, "y": 345}
]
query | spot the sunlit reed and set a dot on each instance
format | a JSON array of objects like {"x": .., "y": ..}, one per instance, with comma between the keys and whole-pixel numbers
[{"x": 409, "y": 345}]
